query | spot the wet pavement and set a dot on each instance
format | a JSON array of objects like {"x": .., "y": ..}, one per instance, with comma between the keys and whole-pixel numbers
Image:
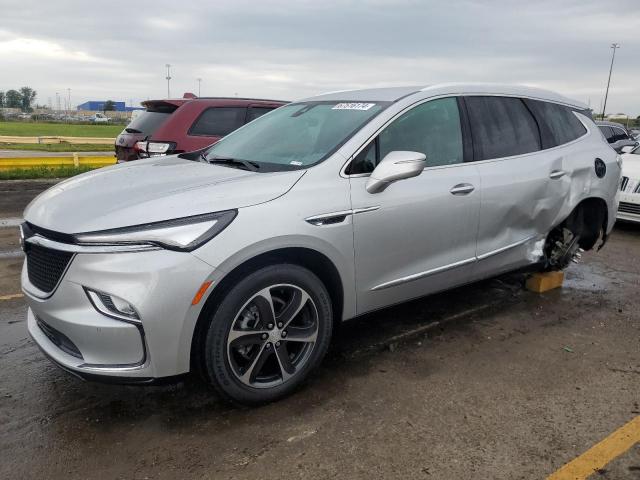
[{"x": 485, "y": 381}]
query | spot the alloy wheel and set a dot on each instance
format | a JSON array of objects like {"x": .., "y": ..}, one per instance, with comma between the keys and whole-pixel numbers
[{"x": 272, "y": 336}]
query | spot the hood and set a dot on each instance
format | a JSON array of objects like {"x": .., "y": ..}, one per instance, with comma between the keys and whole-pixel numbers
[
  {"x": 631, "y": 165},
  {"x": 151, "y": 190}
]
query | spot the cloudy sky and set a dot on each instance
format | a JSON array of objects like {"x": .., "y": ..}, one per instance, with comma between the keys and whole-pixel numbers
[{"x": 291, "y": 49}]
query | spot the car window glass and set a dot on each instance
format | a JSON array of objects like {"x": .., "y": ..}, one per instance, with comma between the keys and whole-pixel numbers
[
  {"x": 366, "y": 160},
  {"x": 432, "y": 128},
  {"x": 147, "y": 122},
  {"x": 299, "y": 134},
  {"x": 218, "y": 121},
  {"x": 619, "y": 134},
  {"x": 255, "y": 112},
  {"x": 561, "y": 122},
  {"x": 501, "y": 127},
  {"x": 608, "y": 133}
]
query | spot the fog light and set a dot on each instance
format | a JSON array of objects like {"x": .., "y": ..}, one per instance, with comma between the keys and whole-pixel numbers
[{"x": 113, "y": 306}]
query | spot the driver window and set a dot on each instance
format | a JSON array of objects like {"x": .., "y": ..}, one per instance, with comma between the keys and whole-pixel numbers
[{"x": 432, "y": 128}]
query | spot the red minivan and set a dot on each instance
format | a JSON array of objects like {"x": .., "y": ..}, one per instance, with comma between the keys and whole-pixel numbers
[{"x": 186, "y": 124}]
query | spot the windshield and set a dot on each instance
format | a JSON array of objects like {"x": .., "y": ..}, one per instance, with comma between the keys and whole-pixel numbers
[
  {"x": 297, "y": 135},
  {"x": 147, "y": 122}
]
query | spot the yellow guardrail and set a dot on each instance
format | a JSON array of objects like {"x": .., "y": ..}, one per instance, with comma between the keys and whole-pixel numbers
[
  {"x": 74, "y": 160},
  {"x": 58, "y": 139}
]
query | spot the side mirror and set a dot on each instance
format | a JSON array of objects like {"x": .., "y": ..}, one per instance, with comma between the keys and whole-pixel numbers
[
  {"x": 627, "y": 149},
  {"x": 395, "y": 166}
]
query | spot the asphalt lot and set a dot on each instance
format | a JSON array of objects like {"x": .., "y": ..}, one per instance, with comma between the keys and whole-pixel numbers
[{"x": 488, "y": 381}]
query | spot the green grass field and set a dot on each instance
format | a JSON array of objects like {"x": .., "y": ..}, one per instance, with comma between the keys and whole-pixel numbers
[
  {"x": 43, "y": 172},
  {"x": 32, "y": 129},
  {"x": 57, "y": 147}
]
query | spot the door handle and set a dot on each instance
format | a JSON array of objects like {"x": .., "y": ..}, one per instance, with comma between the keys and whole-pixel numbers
[
  {"x": 555, "y": 174},
  {"x": 462, "y": 189}
]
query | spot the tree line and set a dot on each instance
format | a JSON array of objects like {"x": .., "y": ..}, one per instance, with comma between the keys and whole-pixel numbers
[{"x": 22, "y": 99}]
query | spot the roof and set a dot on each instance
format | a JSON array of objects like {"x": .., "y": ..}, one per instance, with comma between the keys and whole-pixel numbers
[
  {"x": 393, "y": 94},
  {"x": 177, "y": 102},
  {"x": 388, "y": 94},
  {"x": 246, "y": 99}
]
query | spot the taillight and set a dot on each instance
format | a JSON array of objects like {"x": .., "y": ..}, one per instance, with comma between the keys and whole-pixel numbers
[{"x": 152, "y": 149}]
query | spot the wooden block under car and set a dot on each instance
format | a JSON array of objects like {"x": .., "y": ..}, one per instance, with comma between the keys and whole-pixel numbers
[{"x": 543, "y": 282}]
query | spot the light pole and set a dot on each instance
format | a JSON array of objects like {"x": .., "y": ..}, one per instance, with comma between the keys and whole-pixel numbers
[
  {"x": 199, "y": 82},
  {"x": 614, "y": 46},
  {"x": 168, "y": 65},
  {"x": 68, "y": 103}
]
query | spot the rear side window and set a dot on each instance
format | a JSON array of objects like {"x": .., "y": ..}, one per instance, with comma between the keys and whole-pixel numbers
[
  {"x": 560, "y": 125},
  {"x": 147, "y": 122},
  {"x": 218, "y": 121},
  {"x": 501, "y": 127},
  {"x": 255, "y": 112}
]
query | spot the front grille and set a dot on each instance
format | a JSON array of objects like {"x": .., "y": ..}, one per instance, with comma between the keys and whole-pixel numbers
[
  {"x": 627, "y": 207},
  {"x": 45, "y": 266},
  {"x": 624, "y": 181},
  {"x": 59, "y": 339},
  {"x": 629, "y": 185}
]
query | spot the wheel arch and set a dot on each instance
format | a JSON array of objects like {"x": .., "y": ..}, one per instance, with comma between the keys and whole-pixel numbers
[
  {"x": 315, "y": 261},
  {"x": 589, "y": 219}
]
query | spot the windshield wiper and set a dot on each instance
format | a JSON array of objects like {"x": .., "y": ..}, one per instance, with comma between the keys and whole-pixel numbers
[
  {"x": 232, "y": 162},
  {"x": 132, "y": 130}
]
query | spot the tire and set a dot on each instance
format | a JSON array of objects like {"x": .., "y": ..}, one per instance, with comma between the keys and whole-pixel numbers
[{"x": 252, "y": 360}]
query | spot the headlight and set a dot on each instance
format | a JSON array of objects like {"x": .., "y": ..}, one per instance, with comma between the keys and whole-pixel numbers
[{"x": 185, "y": 234}]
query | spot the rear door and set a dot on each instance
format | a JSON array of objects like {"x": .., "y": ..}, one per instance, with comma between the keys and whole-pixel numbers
[
  {"x": 523, "y": 187},
  {"x": 419, "y": 235}
]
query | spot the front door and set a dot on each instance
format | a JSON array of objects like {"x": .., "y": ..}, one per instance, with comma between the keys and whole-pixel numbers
[{"x": 419, "y": 235}]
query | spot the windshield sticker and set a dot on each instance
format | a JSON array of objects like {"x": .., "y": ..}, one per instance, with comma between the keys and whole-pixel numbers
[
  {"x": 353, "y": 106},
  {"x": 297, "y": 164}
]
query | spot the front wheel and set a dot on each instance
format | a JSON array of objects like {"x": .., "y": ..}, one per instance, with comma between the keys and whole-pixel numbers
[{"x": 268, "y": 334}]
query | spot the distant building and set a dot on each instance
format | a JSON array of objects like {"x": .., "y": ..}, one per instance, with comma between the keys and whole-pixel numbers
[{"x": 98, "y": 106}]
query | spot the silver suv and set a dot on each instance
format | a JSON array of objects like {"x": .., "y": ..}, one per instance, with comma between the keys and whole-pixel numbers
[{"x": 238, "y": 262}]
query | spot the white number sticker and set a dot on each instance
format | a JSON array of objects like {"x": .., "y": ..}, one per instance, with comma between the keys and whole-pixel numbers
[{"x": 353, "y": 106}]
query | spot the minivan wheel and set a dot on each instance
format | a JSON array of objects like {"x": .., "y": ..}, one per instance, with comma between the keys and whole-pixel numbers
[{"x": 268, "y": 334}]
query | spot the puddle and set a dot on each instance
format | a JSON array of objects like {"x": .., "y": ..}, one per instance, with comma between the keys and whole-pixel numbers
[{"x": 587, "y": 277}]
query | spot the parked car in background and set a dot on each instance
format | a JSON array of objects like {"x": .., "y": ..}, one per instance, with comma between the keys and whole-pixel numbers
[
  {"x": 99, "y": 118},
  {"x": 617, "y": 135},
  {"x": 186, "y": 124},
  {"x": 239, "y": 261},
  {"x": 629, "y": 208}
]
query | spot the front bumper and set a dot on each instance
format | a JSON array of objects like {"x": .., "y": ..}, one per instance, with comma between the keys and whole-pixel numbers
[
  {"x": 160, "y": 284},
  {"x": 629, "y": 207}
]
